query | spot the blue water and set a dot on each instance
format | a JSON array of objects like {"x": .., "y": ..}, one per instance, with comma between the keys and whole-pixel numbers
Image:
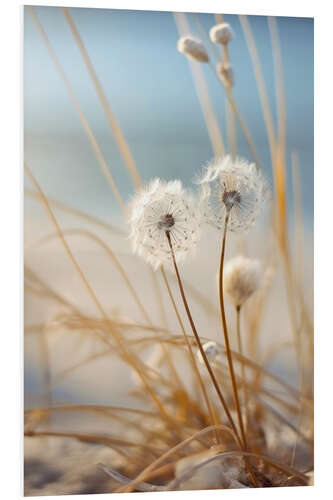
[{"x": 151, "y": 92}]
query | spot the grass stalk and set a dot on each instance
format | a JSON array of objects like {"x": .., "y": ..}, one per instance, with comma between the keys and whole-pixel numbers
[
  {"x": 128, "y": 356},
  {"x": 144, "y": 474},
  {"x": 117, "y": 132},
  {"x": 202, "y": 92},
  {"x": 261, "y": 85},
  {"x": 92, "y": 139}
]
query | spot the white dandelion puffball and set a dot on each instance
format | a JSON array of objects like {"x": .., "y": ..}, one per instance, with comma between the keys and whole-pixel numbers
[
  {"x": 233, "y": 187},
  {"x": 212, "y": 350},
  {"x": 241, "y": 278},
  {"x": 159, "y": 211},
  {"x": 193, "y": 48},
  {"x": 221, "y": 33}
]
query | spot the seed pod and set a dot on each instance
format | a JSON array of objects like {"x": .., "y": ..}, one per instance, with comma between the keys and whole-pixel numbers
[
  {"x": 221, "y": 33},
  {"x": 193, "y": 48}
]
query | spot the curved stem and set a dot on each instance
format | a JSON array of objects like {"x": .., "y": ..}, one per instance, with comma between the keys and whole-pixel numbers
[
  {"x": 226, "y": 337},
  {"x": 203, "y": 354},
  {"x": 210, "y": 408}
]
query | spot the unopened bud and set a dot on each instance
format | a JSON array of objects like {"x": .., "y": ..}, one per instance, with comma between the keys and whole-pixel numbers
[
  {"x": 225, "y": 72},
  {"x": 193, "y": 48},
  {"x": 221, "y": 33}
]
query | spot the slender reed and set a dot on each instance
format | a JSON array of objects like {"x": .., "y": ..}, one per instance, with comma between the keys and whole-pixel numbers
[
  {"x": 84, "y": 121},
  {"x": 203, "y": 94},
  {"x": 120, "y": 139},
  {"x": 126, "y": 354}
]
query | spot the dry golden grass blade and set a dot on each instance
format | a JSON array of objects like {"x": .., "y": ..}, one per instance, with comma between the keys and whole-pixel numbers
[
  {"x": 230, "y": 116},
  {"x": 276, "y": 465},
  {"x": 46, "y": 367},
  {"x": 202, "y": 91},
  {"x": 78, "y": 407},
  {"x": 113, "y": 413},
  {"x": 64, "y": 207},
  {"x": 144, "y": 474},
  {"x": 129, "y": 357},
  {"x": 46, "y": 291},
  {"x": 279, "y": 85},
  {"x": 111, "y": 255},
  {"x": 299, "y": 245},
  {"x": 78, "y": 108},
  {"x": 97, "y": 439},
  {"x": 115, "y": 260},
  {"x": 231, "y": 128},
  {"x": 261, "y": 85},
  {"x": 240, "y": 119},
  {"x": 279, "y": 170},
  {"x": 278, "y": 416},
  {"x": 119, "y": 137},
  {"x": 122, "y": 145},
  {"x": 178, "y": 340}
]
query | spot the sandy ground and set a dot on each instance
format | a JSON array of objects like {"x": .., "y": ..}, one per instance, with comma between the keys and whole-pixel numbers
[{"x": 107, "y": 380}]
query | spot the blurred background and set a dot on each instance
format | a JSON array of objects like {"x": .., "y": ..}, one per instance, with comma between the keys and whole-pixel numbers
[{"x": 150, "y": 89}]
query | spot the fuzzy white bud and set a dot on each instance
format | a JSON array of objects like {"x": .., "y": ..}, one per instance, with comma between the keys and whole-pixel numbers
[
  {"x": 241, "y": 278},
  {"x": 221, "y": 33},
  {"x": 212, "y": 350},
  {"x": 193, "y": 48},
  {"x": 225, "y": 72}
]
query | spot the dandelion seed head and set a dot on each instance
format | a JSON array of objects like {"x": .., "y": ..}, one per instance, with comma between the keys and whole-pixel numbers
[
  {"x": 221, "y": 33},
  {"x": 212, "y": 350},
  {"x": 193, "y": 48},
  {"x": 159, "y": 210},
  {"x": 241, "y": 278},
  {"x": 235, "y": 187}
]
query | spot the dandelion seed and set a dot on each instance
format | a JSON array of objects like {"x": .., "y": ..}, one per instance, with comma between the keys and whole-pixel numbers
[
  {"x": 221, "y": 33},
  {"x": 193, "y": 48},
  {"x": 233, "y": 187},
  {"x": 242, "y": 277},
  {"x": 212, "y": 350},
  {"x": 163, "y": 209},
  {"x": 225, "y": 72}
]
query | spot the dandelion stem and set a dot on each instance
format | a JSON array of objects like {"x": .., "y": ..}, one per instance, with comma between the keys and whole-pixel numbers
[
  {"x": 226, "y": 337},
  {"x": 240, "y": 350},
  {"x": 191, "y": 355},
  {"x": 197, "y": 338}
]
